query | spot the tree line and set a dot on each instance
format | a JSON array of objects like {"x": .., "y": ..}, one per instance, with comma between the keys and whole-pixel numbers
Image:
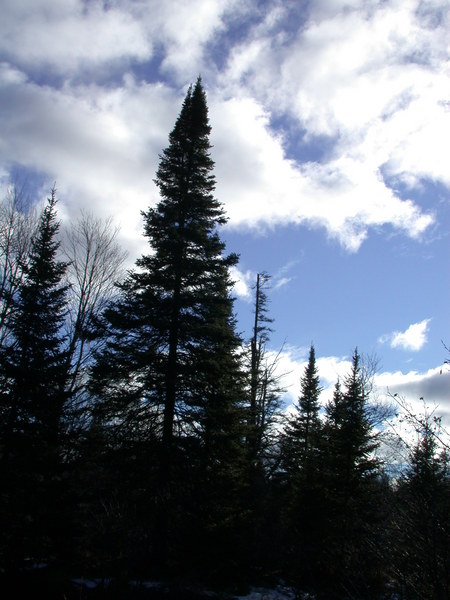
[{"x": 142, "y": 438}]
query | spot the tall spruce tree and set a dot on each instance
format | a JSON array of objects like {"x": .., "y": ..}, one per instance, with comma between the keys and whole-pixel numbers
[
  {"x": 171, "y": 368},
  {"x": 352, "y": 556},
  {"x": 33, "y": 396},
  {"x": 178, "y": 298}
]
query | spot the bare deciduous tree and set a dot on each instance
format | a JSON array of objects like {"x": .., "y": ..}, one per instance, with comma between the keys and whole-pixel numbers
[
  {"x": 427, "y": 421},
  {"x": 17, "y": 225},
  {"x": 95, "y": 265}
]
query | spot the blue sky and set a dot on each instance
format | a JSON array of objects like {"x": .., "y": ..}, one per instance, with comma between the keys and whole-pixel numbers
[{"x": 331, "y": 134}]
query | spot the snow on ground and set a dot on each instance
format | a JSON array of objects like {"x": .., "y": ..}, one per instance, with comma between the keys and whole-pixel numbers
[{"x": 280, "y": 593}]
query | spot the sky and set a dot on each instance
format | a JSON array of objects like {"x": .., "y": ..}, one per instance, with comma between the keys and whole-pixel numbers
[{"x": 331, "y": 140}]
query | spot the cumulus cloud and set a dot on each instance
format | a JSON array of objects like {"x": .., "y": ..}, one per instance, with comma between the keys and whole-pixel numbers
[
  {"x": 185, "y": 29},
  {"x": 421, "y": 391},
  {"x": 243, "y": 282},
  {"x": 413, "y": 338},
  {"x": 374, "y": 79},
  {"x": 65, "y": 35},
  {"x": 262, "y": 188},
  {"x": 371, "y": 78},
  {"x": 88, "y": 140},
  {"x": 73, "y": 38}
]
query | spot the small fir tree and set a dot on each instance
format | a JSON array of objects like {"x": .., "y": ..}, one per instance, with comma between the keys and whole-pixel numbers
[
  {"x": 352, "y": 486},
  {"x": 33, "y": 362},
  {"x": 301, "y": 461},
  {"x": 304, "y": 427}
]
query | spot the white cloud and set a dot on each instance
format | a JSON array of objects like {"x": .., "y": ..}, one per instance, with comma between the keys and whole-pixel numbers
[
  {"x": 243, "y": 282},
  {"x": 88, "y": 140},
  {"x": 74, "y": 35},
  {"x": 428, "y": 390},
  {"x": 413, "y": 338},
  {"x": 262, "y": 188},
  {"x": 375, "y": 80},
  {"x": 185, "y": 28},
  {"x": 372, "y": 77},
  {"x": 281, "y": 282},
  {"x": 281, "y": 277},
  {"x": 68, "y": 34}
]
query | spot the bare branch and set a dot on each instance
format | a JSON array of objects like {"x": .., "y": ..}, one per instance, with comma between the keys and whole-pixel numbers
[
  {"x": 17, "y": 226},
  {"x": 421, "y": 422},
  {"x": 95, "y": 265}
]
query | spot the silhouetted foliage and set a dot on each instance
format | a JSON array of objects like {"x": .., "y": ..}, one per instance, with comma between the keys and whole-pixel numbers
[
  {"x": 170, "y": 370},
  {"x": 33, "y": 397},
  {"x": 141, "y": 438},
  {"x": 420, "y": 534},
  {"x": 353, "y": 507},
  {"x": 302, "y": 464},
  {"x": 262, "y": 422}
]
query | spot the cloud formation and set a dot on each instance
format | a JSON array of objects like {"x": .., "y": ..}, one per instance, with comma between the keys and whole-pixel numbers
[
  {"x": 66, "y": 36},
  {"x": 421, "y": 391},
  {"x": 412, "y": 339},
  {"x": 370, "y": 79}
]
